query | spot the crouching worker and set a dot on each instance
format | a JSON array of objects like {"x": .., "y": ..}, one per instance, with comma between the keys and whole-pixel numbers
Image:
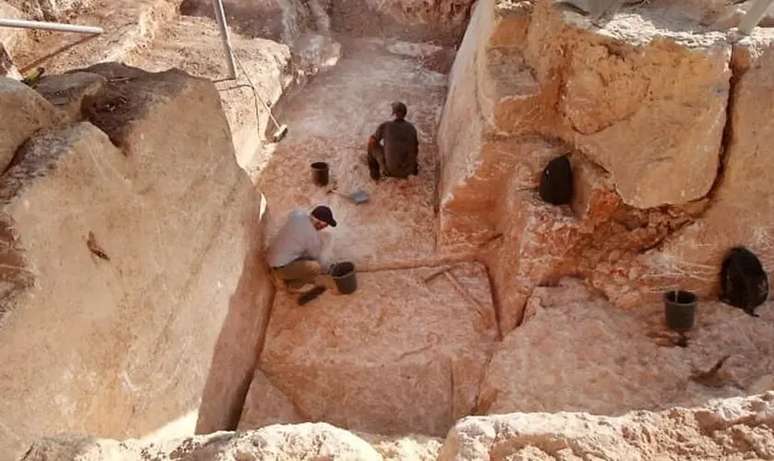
[
  {"x": 294, "y": 254},
  {"x": 397, "y": 157}
]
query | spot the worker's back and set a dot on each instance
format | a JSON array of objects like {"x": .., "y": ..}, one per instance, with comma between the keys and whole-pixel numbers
[{"x": 400, "y": 147}]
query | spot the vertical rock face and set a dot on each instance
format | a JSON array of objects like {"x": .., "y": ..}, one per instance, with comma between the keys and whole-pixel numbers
[
  {"x": 279, "y": 20},
  {"x": 131, "y": 240},
  {"x": 636, "y": 101},
  {"x": 641, "y": 106},
  {"x": 740, "y": 209},
  {"x": 441, "y": 21}
]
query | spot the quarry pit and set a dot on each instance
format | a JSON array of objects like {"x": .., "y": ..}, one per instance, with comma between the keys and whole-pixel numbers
[{"x": 141, "y": 188}]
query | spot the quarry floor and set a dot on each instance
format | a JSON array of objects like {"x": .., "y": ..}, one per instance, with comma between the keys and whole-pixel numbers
[
  {"x": 418, "y": 345},
  {"x": 330, "y": 122},
  {"x": 386, "y": 357}
]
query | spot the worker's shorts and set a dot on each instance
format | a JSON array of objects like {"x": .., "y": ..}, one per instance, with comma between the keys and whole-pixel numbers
[
  {"x": 377, "y": 162},
  {"x": 298, "y": 272}
]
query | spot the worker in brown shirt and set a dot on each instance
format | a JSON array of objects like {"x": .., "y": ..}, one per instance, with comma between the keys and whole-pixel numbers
[{"x": 392, "y": 150}]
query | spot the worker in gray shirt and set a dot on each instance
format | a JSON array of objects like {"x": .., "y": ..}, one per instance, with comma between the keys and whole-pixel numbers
[
  {"x": 397, "y": 157},
  {"x": 294, "y": 254}
]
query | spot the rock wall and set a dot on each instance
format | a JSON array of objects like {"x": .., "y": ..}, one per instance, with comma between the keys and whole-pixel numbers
[
  {"x": 279, "y": 20},
  {"x": 130, "y": 249},
  {"x": 739, "y": 210},
  {"x": 440, "y": 21},
  {"x": 645, "y": 104}
]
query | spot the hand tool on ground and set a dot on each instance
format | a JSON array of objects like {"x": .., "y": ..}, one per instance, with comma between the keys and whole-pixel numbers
[{"x": 358, "y": 197}]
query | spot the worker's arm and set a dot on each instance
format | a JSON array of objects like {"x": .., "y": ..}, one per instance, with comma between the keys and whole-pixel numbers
[
  {"x": 372, "y": 143},
  {"x": 379, "y": 133},
  {"x": 415, "y": 152},
  {"x": 313, "y": 245}
]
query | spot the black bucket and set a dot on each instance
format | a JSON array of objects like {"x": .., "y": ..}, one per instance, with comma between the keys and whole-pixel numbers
[
  {"x": 680, "y": 309},
  {"x": 320, "y": 173},
  {"x": 344, "y": 276}
]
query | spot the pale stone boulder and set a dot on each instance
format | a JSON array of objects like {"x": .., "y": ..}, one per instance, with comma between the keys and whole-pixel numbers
[
  {"x": 24, "y": 112},
  {"x": 275, "y": 443},
  {"x": 125, "y": 270},
  {"x": 405, "y": 447},
  {"x": 738, "y": 428},
  {"x": 353, "y": 361}
]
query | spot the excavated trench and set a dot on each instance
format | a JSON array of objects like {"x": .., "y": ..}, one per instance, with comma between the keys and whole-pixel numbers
[
  {"x": 406, "y": 352},
  {"x": 421, "y": 344},
  {"x": 429, "y": 337}
]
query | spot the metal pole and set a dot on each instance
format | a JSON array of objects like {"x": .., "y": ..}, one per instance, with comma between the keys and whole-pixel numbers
[
  {"x": 754, "y": 16},
  {"x": 23, "y": 24},
  {"x": 220, "y": 16}
]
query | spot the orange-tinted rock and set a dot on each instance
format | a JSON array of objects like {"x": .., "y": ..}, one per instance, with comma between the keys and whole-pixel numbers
[{"x": 639, "y": 103}]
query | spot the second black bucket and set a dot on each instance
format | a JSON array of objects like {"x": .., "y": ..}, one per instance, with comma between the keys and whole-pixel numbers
[
  {"x": 680, "y": 310},
  {"x": 344, "y": 276},
  {"x": 320, "y": 173}
]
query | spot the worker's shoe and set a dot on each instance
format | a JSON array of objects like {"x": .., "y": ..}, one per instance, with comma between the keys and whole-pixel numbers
[{"x": 311, "y": 295}]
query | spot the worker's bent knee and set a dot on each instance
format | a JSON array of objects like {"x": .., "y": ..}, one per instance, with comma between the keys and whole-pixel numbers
[{"x": 305, "y": 270}]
